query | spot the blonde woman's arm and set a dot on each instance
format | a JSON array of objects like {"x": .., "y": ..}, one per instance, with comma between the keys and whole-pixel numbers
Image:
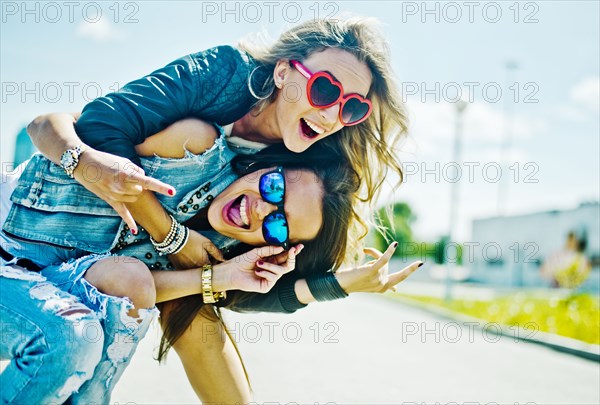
[{"x": 122, "y": 184}]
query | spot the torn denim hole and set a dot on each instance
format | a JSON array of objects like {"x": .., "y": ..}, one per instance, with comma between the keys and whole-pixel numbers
[
  {"x": 187, "y": 154},
  {"x": 74, "y": 265},
  {"x": 72, "y": 384},
  {"x": 59, "y": 302},
  {"x": 101, "y": 301},
  {"x": 128, "y": 337},
  {"x": 133, "y": 329},
  {"x": 122, "y": 332},
  {"x": 75, "y": 312},
  {"x": 98, "y": 299},
  {"x": 20, "y": 273},
  {"x": 201, "y": 157}
]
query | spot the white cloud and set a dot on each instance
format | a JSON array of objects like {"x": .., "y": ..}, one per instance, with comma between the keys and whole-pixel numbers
[
  {"x": 432, "y": 126},
  {"x": 586, "y": 94},
  {"x": 100, "y": 31},
  {"x": 584, "y": 101}
]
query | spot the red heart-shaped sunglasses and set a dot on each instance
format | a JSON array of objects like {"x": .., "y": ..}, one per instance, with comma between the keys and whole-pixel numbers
[{"x": 323, "y": 91}]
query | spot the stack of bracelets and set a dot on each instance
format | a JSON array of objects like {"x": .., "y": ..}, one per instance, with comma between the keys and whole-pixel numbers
[{"x": 174, "y": 241}]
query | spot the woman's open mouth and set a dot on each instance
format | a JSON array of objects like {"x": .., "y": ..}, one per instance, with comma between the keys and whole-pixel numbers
[
  {"x": 310, "y": 129},
  {"x": 236, "y": 212}
]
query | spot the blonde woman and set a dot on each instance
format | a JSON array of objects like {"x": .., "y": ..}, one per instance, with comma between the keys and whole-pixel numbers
[{"x": 323, "y": 80}]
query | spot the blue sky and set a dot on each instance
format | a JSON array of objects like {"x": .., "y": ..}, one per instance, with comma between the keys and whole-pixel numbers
[{"x": 555, "y": 136}]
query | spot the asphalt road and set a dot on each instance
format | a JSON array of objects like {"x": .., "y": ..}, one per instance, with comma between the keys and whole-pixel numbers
[{"x": 367, "y": 349}]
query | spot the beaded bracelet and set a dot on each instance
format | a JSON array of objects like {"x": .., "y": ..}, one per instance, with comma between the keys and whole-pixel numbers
[
  {"x": 174, "y": 241},
  {"x": 184, "y": 241},
  {"x": 169, "y": 238}
]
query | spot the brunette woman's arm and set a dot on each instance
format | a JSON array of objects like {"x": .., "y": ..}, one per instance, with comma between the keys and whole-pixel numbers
[{"x": 293, "y": 292}]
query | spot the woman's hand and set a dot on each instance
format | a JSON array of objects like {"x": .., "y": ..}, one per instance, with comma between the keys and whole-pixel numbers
[
  {"x": 374, "y": 276},
  {"x": 116, "y": 180},
  {"x": 255, "y": 271},
  {"x": 196, "y": 252}
]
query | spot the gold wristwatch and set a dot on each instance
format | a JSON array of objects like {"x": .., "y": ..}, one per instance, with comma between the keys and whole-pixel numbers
[{"x": 208, "y": 296}]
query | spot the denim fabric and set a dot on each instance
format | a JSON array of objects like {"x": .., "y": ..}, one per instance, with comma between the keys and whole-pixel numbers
[
  {"x": 122, "y": 333},
  {"x": 53, "y": 341},
  {"x": 62, "y": 277},
  {"x": 49, "y": 224},
  {"x": 220, "y": 84},
  {"x": 198, "y": 179},
  {"x": 41, "y": 253}
]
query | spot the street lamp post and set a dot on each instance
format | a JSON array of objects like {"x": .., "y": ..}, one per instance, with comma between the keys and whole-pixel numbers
[
  {"x": 461, "y": 106},
  {"x": 502, "y": 202}
]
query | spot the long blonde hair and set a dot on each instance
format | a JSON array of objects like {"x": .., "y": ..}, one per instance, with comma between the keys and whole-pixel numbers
[{"x": 371, "y": 146}]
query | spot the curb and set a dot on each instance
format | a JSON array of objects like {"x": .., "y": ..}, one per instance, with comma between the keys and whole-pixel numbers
[{"x": 555, "y": 342}]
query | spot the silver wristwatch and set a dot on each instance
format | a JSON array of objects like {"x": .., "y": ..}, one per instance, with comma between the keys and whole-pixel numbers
[{"x": 70, "y": 159}]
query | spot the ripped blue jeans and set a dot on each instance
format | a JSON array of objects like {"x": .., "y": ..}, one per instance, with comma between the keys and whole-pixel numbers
[
  {"x": 122, "y": 332},
  {"x": 67, "y": 341},
  {"x": 53, "y": 341}
]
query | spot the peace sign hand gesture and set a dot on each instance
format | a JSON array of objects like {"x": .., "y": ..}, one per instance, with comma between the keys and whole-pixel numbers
[{"x": 374, "y": 276}]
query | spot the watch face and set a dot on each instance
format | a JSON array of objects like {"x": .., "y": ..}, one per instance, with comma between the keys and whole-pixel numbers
[{"x": 67, "y": 159}]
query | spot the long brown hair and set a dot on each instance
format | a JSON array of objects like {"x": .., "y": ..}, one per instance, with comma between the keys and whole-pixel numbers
[
  {"x": 371, "y": 146},
  {"x": 327, "y": 250}
]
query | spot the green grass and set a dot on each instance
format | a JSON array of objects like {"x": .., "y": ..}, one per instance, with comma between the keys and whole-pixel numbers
[{"x": 576, "y": 316}]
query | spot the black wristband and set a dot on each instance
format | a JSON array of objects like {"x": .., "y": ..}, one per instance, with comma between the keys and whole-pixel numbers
[
  {"x": 325, "y": 287},
  {"x": 287, "y": 295}
]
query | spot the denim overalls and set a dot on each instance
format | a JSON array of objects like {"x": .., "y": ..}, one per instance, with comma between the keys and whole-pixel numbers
[{"x": 57, "y": 223}]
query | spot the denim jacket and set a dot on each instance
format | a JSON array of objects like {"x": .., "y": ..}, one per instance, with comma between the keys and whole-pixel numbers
[
  {"x": 51, "y": 208},
  {"x": 212, "y": 85}
]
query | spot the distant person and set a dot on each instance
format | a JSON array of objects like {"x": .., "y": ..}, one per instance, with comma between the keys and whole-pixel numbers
[{"x": 568, "y": 267}]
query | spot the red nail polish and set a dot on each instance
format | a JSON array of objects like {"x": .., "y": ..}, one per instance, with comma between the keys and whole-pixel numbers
[
  {"x": 134, "y": 231},
  {"x": 170, "y": 191},
  {"x": 395, "y": 244},
  {"x": 260, "y": 262}
]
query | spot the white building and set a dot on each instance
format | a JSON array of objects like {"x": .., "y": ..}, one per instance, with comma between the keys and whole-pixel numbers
[{"x": 509, "y": 250}]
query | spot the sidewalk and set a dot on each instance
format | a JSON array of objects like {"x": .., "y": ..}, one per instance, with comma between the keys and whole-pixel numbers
[{"x": 368, "y": 349}]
